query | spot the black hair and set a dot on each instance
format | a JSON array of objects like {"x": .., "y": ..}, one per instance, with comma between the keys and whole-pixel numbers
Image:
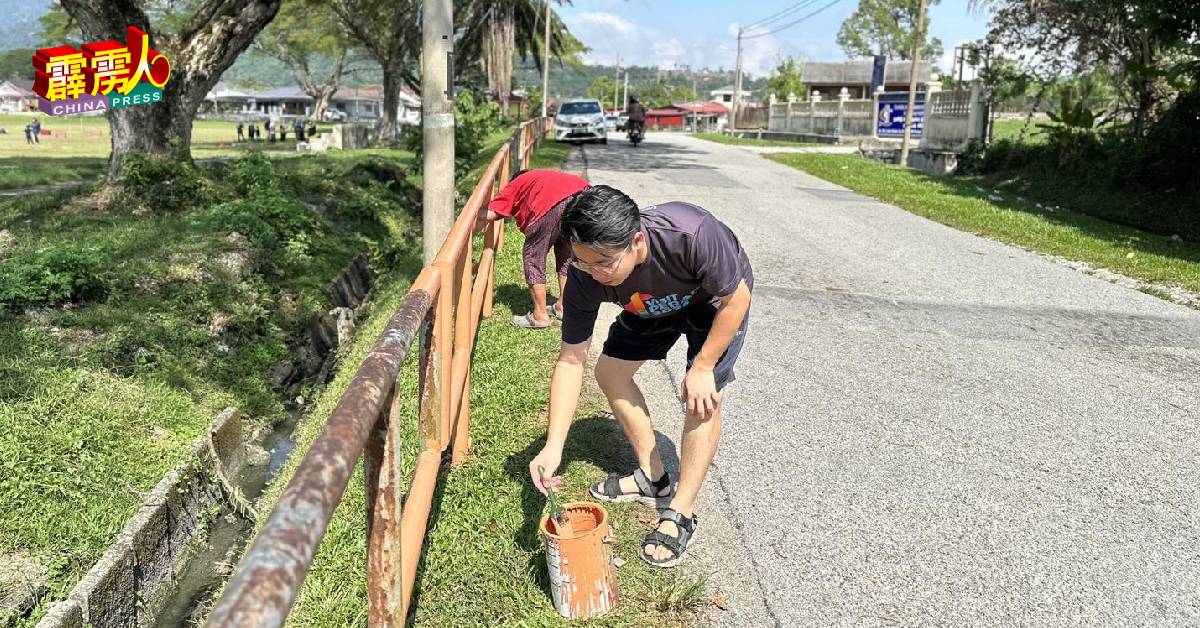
[
  {"x": 517, "y": 174},
  {"x": 600, "y": 216}
]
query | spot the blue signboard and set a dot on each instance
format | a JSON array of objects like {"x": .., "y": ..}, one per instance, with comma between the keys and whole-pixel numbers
[{"x": 889, "y": 114}]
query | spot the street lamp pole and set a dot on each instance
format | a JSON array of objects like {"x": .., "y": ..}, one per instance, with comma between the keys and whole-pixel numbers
[
  {"x": 737, "y": 82},
  {"x": 546, "y": 65}
]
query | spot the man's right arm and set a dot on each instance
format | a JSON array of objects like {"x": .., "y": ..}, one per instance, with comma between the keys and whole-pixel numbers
[{"x": 565, "y": 385}]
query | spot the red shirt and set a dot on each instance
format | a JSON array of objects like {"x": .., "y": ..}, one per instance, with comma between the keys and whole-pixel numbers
[{"x": 533, "y": 194}]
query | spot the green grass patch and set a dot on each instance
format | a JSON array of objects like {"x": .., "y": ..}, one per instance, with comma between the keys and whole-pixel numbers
[
  {"x": 483, "y": 563},
  {"x": 1005, "y": 211},
  {"x": 124, "y": 330},
  {"x": 748, "y": 141},
  {"x": 78, "y": 147},
  {"x": 24, "y": 172},
  {"x": 1010, "y": 129}
]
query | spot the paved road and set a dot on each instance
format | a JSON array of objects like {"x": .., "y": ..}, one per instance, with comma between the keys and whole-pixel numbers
[{"x": 930, "y": 428}]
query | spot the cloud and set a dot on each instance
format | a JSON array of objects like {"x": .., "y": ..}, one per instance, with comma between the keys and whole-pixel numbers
[
  {"x": 596, "y": 19},
  {"x": 610, "y": 34}
]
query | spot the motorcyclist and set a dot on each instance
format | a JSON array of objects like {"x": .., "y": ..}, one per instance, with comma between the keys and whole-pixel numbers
[{"x": 637, "y": 116}]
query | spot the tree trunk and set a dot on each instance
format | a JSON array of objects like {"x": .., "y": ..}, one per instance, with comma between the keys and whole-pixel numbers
[
  {"x": 499, "y": 44},
  {"x": 1147, "y": 85},
  {"x": 322, "y": 93},
  {"x": 321, "y": 102},
  {"x": 199, "y": 54},
  {"x": 392, "y": 82},
  {"x": 393, "y": 74}
]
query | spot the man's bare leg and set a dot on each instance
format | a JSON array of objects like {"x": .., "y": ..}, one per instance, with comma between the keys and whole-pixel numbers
[
  {"x": 700, "y": 440},
  {"x": 615, "y": 378},
  {"x": 537, "y": 294}
]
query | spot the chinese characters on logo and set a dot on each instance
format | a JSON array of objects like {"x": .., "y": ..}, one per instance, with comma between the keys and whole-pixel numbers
[{"x": 104, "y": 75}]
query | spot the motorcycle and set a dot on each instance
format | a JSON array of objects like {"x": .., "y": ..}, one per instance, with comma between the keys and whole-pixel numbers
[{"x": 634, "y": 134}]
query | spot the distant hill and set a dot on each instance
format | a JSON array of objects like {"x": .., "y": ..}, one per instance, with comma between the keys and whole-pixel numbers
[{"x": 20, "y": 25}]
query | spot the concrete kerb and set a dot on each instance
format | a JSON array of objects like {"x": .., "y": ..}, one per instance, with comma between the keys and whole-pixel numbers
[{"x": 134, "y": 578}]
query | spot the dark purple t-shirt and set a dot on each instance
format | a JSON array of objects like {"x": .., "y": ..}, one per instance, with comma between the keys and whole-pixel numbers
[{"x": 693, "y": 259}]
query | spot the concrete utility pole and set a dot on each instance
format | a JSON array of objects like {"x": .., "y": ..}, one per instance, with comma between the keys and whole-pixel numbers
[
  {"x": 910, "y": 112},
  {"x": 737, "y": 82},
  {"x": 625, "y": 100},
  {"x": 546, "y": 65},
  {"x": 617, "y": 82},
  {"x": 437, "y": 123}
]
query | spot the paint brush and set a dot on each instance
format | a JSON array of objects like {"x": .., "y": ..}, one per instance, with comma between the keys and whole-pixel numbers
[{"x": 552, "y": 502}]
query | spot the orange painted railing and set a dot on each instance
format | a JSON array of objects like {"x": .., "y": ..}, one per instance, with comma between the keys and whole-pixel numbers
[{"x": 443, "y": 308}]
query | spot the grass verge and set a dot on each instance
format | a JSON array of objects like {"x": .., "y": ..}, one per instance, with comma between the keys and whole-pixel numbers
[
  {"x": 994, "y": 210},
  {"x": 483, "y": 563},
  {"x": 748, "y": 141},
  {"x": 122, "y": 333}
]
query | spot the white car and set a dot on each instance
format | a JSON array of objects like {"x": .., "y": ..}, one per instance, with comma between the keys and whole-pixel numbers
[
  {"x": 333, "y": 115},
  {"x": 580, "y": 119}
]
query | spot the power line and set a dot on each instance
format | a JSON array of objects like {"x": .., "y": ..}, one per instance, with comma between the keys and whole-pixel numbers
[
  {"x": 779, "y": 15},
  {"x": 792, "y": 23}
]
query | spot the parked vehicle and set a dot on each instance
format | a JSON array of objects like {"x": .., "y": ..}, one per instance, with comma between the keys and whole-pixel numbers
[
  {"x": 333, "y": 115},
  {"x": 580, "y": 119},
  {"x": 610, "y": 123}
]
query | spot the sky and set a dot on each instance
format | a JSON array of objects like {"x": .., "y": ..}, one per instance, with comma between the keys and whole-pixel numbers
[{"x": 702, "y": 33}]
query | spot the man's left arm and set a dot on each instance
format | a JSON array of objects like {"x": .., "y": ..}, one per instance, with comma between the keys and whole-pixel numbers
[{"x": 699, "y": 385}]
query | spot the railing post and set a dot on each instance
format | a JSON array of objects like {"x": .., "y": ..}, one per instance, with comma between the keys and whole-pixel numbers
[
  {"x": 429, "y": 408},
  {"x": 490, "y": 240},
  {"x": 444, "y": 357},
  {"x": 381, "y": 472},
  {"x": 515, "y": 144},
  {"x": 463, "y": 342}
]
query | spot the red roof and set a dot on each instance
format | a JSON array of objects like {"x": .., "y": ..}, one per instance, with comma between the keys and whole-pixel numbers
[
  {"x": 707, "y": 107},
  {"x": 702, "y": 108}
]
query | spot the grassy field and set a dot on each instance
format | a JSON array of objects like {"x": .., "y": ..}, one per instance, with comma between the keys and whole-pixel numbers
[
  {"x": 78, "y": 147},
  {"x": 124, "y": 331},
  {"x": 747, "y": 141},
  {"x": 997, "y": 210},
  {"x": 484, "y": 564},
  {"x": 1011, "y": 130}
]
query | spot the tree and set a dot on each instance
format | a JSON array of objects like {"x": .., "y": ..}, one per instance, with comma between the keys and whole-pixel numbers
[
  {"x": 200, "y": 43},
  {"x": 498, "y": 31},
  {"x": 304, "y": 33},
  {"x": 1150, "y": 44},
  {"x": 662, "y": 94},
  {"x": 390, "y": 33},
  {"x": 886, "y": 27},
  {"x": 14, "y": 64},
  {"x": 786, "y": 79},
  {"x": 602, "y": 89}
]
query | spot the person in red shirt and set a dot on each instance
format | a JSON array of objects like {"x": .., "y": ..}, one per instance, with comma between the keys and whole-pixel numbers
[{"x": 535, "y": 200}]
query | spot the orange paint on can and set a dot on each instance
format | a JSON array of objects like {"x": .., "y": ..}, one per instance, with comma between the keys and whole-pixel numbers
[{"x": 583, "y": 580}]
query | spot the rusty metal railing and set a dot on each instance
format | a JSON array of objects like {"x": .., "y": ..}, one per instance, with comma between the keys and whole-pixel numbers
[{"x": 443, "y": 308}]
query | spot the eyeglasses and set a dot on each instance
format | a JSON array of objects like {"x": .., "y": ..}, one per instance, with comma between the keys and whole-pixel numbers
[{"x": 603, "y": 269}]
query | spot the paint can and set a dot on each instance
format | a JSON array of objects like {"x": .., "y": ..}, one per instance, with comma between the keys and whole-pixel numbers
[{"x": 583, "y": 579}]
